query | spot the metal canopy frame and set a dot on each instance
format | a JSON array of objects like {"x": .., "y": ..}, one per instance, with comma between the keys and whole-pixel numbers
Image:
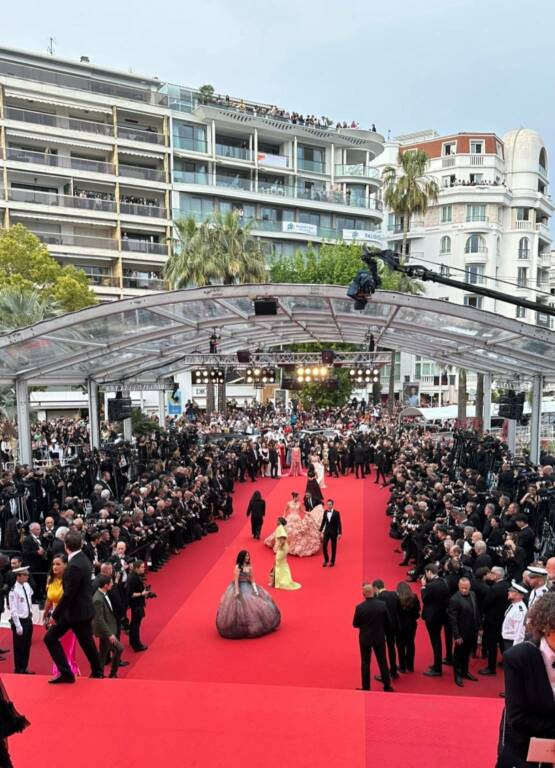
[{"x": 147, "y": 337}]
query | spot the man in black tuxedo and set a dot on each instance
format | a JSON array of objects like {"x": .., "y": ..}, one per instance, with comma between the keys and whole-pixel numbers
[
  {"x": 393, "y": 605},
  {"x": 34, "y": 555},
  {"x": 435, "y": 595},
  {"x": 494, "y": 606},
  {"x": 358, "y": 455},
  {"x": 331, "y": 531},
  {"x": 463, "y": 614},
  {"x": 372, "y": 621},
  {"x": 75, "y": 611}
]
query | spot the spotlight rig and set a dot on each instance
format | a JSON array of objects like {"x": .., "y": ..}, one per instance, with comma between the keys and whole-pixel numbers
[
  {"x": 364, "y": 375},
  {"x": 259, "y": 376},
  {"x": 311, "y": 373},
  {"x": 203, "y": 376}
]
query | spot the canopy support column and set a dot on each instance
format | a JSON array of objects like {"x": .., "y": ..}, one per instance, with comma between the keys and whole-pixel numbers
[
  {"x": 536, "y": 418},
  {"x": 162, "y": 408},
  {"x": 24, "y": 447},
  {"x": 94, "y": 421},
  {"x": 511, "y": 435},
  {"x": 487, "y": 402}
]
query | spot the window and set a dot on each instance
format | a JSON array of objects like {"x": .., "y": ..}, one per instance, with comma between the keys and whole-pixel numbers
[
  {"x": 474, "y": 274},
  {"x": 476, "y": 147},
  {"x": 476, "y": 213},
  {"x": 522, "y": 214},
  {"x": 446, "y": 182},
  {"x": 522, "y": 277},
  {"x": 521, "y": 312},
  {"x": 444, "y": 270},
  {"x": 449, "y": 148},
  {"x": 476, "y": 178},
  {"x": 498, "y": 149},
  {"x": 523, "y": 248},
  {"x": 543, "y": 161},
  {"x": 445, "y": 244},
  {"x": 192, "y": 137},
  {"x": 475, "y": 244},
  {"x": 201, "y": 206},
  {"x": 446, "y": 214},
  {"x": 470, "y": 300},
  {"x": 311, "y": 158}
]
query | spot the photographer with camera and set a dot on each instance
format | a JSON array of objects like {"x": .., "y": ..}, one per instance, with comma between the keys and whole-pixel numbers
[{"x": 138, "y": 592}]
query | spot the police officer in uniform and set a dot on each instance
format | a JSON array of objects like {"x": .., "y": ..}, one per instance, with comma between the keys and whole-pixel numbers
[
  {"x": 21, "y": 620},
  {"x": 514, "y": 623},
  {"x": 538, "y": 581}
]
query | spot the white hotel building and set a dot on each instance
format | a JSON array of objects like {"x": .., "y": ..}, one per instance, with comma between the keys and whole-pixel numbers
[{"x": 490, "y": 227}]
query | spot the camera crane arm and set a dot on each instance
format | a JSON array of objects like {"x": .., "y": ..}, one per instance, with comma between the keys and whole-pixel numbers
[{"x": 392, "y": 260}]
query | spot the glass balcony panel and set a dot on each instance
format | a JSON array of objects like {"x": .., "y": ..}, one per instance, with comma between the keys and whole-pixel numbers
[
  {"x": 237, "y": 182},
  {"x": 138, "y": 134},
  {"x": 193, "y": 145},
  {"x": 143, "y": 246},
  {"x": 315, "y": 166},
  {"x": 136, "y": 172},
  {"x": 237, "y": 153}
]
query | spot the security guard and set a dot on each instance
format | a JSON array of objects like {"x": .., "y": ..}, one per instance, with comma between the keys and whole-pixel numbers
[
  {"x": 21, "y": 619},
  {"x": 537, "y": 576},
  {"x": 514, "y": 623}
]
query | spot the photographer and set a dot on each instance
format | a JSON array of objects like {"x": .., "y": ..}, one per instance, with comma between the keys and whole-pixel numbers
[{"x": 137, "y": 592}]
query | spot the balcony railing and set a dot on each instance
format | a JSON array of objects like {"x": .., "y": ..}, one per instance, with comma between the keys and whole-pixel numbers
[
  {"x": 279, "y": 190},
  {"x": 522, "y": 283},
  {"x": 143, "y": 246},
  {"x": 525, "y": 225},
  {"x": 477, "y": 217},
  {"x": 315, "y": 166},
  {"x": 102, "y": 280},
  {"x": 89, "y": 84},
  {"x": 192, "y": 145},
  {"x": 58, "y": 161},
  {"x": 137, "y": 172},
  {"x": 139, "y": 209},
  {"x": 448, "y": 161},
  {"x": 236, "y": 153},
  {"x": 62, "y": 201},
  {"x": 235, "y": 182},
  {"x": 524, "y": 253},
  {"x": 147, "y": 283},
  {"x": 59, "y": 121},
  {"x": 542, "y": 170},
  {"x": 475, "y": 249},
  {"x": 77, "y": 241},
  {"x": 358, "y": 170},
  {"x": 138, "y": 134}
]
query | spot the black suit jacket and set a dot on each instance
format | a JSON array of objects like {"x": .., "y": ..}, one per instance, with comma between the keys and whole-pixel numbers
[
  {"x": 372, "y": 620},
  {"x": 463, "y": 615},
  {"x": 529, "y": 703},
  {"x": 257, "y": 508},
  {"x": 333, "y": 527},
  {"x": 76, "y": 603},
  {"x": 495, "y": 604},
  {"x": 393, "y": 605},
  {"x": 29, "y": 549},
  {"x": 434, "y": 601}
]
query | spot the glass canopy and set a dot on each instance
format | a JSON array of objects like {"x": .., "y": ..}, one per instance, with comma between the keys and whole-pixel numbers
[{"x": 146, "y": 337}]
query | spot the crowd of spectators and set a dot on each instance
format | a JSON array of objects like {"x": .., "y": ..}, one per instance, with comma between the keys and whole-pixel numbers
[{"x": 276, "y": 113}]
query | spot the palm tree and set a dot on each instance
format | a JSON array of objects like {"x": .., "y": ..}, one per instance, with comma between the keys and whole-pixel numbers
[
  {"x": 408, "y": 190},
  {"x": 19, "y": 308},
  {"x": 220, "y": 250}
]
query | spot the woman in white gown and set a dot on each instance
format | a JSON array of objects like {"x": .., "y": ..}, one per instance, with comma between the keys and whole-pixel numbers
[{"x": 319, "y": 469}]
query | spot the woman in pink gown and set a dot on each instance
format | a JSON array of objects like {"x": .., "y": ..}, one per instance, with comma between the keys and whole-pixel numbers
[
  {"x": 295, "y": 470},
  {"x": 54, "y": 593},
  {"x": 303, "y": 533}
]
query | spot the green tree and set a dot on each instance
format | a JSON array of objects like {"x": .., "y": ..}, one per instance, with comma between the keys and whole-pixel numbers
[
  {"x": 319, "y": 397},
  {"x": 22, "y": 307},
  {"x": 26, "y": 265},
  {"x": 408, "y": 190},
  {"x": 206, "y": 93},
  {"x": 219, "y": 250}
]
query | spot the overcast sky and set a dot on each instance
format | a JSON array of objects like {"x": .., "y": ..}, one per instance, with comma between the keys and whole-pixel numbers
[{"x": 452, "y": 65}]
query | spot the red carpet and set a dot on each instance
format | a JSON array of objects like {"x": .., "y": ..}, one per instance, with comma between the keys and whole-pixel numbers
[{"x": 268, "y": 700}]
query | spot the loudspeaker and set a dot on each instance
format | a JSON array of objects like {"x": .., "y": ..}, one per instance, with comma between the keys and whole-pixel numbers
[
  {"x": 119, "y": 408},
  {"x": 265, "y": 307},
  {"x": 243, "y": 356},
  {"x": 328, "y": 356}
]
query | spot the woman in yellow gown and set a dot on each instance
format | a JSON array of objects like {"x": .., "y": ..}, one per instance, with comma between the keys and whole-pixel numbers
[
  {"x": 54, "y": 592},
  {"x": 282, "y": 573}
]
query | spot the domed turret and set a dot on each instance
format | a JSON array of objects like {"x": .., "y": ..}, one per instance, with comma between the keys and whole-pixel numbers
[{"x": 524, "y": 151}]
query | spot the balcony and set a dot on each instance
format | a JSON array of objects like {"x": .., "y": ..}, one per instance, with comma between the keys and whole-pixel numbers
[
  {"x": 524, "y": 253},
  {"x": 524, "y": 225},
  {"x": 138, "y": 134},
  {"x": 77, "y": 241},
  {"x": 143, "y": 246},
  {"x": 101, "y": 280},
  {"x": 128, "y": 207},
  {"x": 58, "y": 121},
  {"x": 448, "y": 161},
  {"x": 270, "y": 160},
  {"x": 190, "y": 144},
  {"x": 470, "y": 249},
  {"x": 138, "y": 172},
  {"x": 89, "y": 84},
  {"x": 542, "y": 171},
  {"x": 235, "y": 182},
  {"x": 543, "y": 231},
  {"x": 359, "y": 171},
  {"x": 314, "y": 166},
  {"x": 192, "y": 177},
  {"x": 233, "y": 153},
  {"x": 476, "y": 159},
  {"x": 58, "y": 161},
  {"x": 479, "y": 218},
  {"x": 81, "y": 202},
  {"x": 143, "y": 283}
]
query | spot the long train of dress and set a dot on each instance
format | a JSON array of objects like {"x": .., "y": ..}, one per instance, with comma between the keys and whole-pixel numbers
[{"x": 303, "y": 533}]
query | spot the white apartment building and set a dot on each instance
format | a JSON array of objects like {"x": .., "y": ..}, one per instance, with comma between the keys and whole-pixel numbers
[
  {"x": 490, "y": 227},
  {"x": 99, "y": 164}
]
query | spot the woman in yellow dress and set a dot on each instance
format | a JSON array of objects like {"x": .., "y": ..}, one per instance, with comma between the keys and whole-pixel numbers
[
  {"x": 54, "y": 592},
  {"x": 282, "y": 573}
]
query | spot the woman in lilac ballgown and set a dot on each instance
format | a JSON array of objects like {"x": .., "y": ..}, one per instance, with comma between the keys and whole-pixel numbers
[{"x": 246, "y": 609}]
